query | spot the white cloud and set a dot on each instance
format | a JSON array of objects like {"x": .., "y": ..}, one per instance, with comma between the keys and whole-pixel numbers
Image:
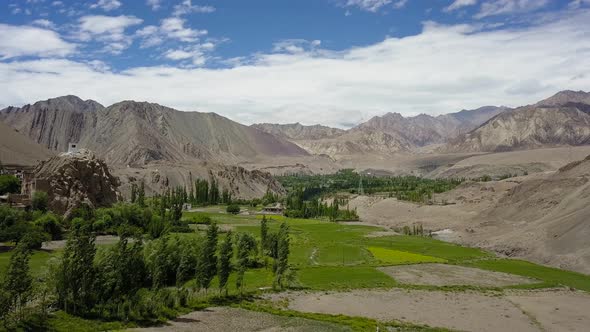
[
  {"x": 400, "y": 4},
  {"x": 108, "y": 29},
  {"x": 57, "y": 3},
  {"x": 186, "y": 7},
  {"x": 578, "y": 3},
  {"x": 18, "y": 41},
  {"x": 296, "y": 46},
  {"x": 442, "y": 69},
  {"x": 503, "y": 7},
  {"x": 171, "y": 28},
  {"x": 457, "y": 4},
  {"x": 368, "y": 5},
  {"x": 107, "y": 5},
  {"x": 154, "y": 4},
  {"x": 44, "y": 23},
  {"x": 196, "y": 53}
]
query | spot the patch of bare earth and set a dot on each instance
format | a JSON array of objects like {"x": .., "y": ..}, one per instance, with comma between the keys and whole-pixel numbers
[
  {"x": 452, "y": 275},
  {"x": 222, "y": 319},
  {"x": 556, "y": 310},
  {"x": 465, "y": 311}
]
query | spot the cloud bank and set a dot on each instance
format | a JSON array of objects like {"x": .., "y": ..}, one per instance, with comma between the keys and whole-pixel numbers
[{"x": 445, "y": 68}]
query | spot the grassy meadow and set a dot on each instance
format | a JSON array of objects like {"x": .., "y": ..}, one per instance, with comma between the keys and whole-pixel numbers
[{"x": 333, "y": 256}]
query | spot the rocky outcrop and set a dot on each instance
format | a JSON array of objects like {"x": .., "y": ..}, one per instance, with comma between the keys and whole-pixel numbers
[
  {"x": 297, "y": 131},
  {"x": 74, "y": 179},
  {"x": 357, "y": 142}
]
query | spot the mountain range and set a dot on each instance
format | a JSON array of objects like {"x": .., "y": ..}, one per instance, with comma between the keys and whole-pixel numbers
[
  {"x": 142, "y": 140},
  {"x": 137, "y": 133},
  {"x": 387, "y": 134},
  {"x": 561, "y": 120}
]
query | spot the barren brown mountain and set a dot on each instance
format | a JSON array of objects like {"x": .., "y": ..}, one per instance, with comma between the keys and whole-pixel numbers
[
  {"x": 137, "y": 133},
  {"x": 561, "y": 120},
  {"x": 297, "y": 131},
  {"x": 382, "y": 135},
  {"x": 162, "y": 146},
  {"x": 17, "y": 149},
  {"x": 543, "y": 218}
]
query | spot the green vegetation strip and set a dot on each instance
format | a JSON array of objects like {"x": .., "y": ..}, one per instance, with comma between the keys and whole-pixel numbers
[
  {"x": 550, "y": 276},
  {"x": 397, "y": 257},
  {"x": 355, "y": 323}
]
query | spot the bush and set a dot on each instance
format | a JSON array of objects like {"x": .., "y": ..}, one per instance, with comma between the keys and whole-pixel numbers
[
  {"x": 50, "y": 224},
  {"x": 40, "y": 201},
  {"x": 9, "y": 184},
  {"x": 201, "y": 219},
  {"x": 233, "y": 209}
]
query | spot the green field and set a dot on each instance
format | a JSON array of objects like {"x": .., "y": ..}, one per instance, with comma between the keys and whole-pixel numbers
[
  {"x": 329, "y": 255},
  {"x": 397, "y": 257}
]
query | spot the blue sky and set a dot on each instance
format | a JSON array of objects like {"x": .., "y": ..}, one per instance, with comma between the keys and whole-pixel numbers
[{"x": 335, "y": 62}]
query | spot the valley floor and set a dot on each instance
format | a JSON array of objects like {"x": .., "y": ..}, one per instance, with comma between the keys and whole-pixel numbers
[{"x": 355, "y": 277}]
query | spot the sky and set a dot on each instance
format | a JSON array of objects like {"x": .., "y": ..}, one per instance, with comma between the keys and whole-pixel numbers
[{"x": 333, "y": 62}]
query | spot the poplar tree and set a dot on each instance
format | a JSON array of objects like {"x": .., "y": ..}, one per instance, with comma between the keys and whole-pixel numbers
[
  {"x": 207, "y": 263},
  {"x": 141, "y": 195},
  {"x": 283, "y": 251},
  {"x": 246, "y": 244},
  {"x": 225, "y": 256},
  {"x": 18, "y": 283},
  {"x": 263, "y": 234}
]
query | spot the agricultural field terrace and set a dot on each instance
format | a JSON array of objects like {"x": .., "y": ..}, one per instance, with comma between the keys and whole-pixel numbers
[{"x": 354, "y": 277}]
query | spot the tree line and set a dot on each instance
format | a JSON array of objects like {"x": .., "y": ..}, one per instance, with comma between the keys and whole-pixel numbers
[
  {"x": 299, "y": 207},
  {"x": 408, "y": 188},
  {"x": 136, "y": 279}
]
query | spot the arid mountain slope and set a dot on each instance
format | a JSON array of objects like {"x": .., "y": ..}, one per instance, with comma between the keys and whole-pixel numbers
[
  {"x": 137, "y": 133},
  {"x": 387, "y": 134},
  {"x": 567, "y": 96},
  {"x": 424, "y": 129},
  {"x": 544, "y": 218},
  {"x": 563, "y": 119},
  {"x": 357, "y": 143},
  {"x": 55, "y": 122},
  {"x": 527, "y": 127},
  {"x": 297, "y": 131},
  {"x": 18, "y": 149}
]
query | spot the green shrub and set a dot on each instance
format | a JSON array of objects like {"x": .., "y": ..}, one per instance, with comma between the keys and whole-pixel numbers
[
  {"x": 200, "y": 219},
  {"x": 9, "y": 184},
  {"x": 40, "y": 201},
  {"x": 233, "y": 209}
]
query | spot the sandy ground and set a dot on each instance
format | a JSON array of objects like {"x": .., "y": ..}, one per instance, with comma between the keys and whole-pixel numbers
[
  {"x": 224, "y": 319},
  {"x": 466, "y": 202},
  {"x": 452, "y": 275},
  {"x": 466, "y": 311},
  {"x": 556, "y": 311},
  {"x": 554, "y": 157}
]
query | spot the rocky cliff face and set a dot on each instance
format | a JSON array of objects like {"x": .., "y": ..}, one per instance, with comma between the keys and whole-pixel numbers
[
  {"x": 71, "y": 180},
  {"x": 55, "y": 122},
  {"x": 357, "y": 143},
  {"x": 563, "y": 119},
  {"x": 297, "y": 131},
  {"x": 382, "y": 135},
  {"x": 424, "y": 129},
  {"x": 138, "y": 133}
]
